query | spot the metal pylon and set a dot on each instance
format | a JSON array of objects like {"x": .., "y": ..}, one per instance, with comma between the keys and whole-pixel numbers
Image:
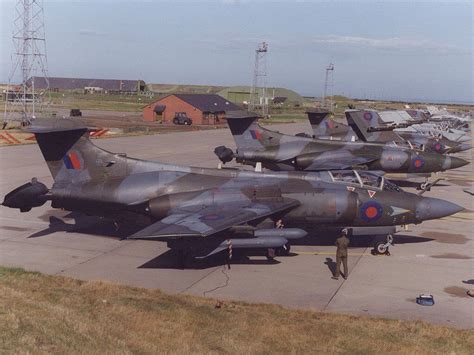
[
  {"x": 328, "y": 86},
  {"x": 24, "y": 102},
  {"x": 258, "y": 94}
]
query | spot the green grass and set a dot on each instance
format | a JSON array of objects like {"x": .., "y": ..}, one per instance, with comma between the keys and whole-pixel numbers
[
  {"x": 52, "y": 314},
  {"x": 288, "y": 117},
  {"x": 103, "y": 102}
]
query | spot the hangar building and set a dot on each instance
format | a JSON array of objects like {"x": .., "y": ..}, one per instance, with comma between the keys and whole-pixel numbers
[{"x": 201, "y": 108}]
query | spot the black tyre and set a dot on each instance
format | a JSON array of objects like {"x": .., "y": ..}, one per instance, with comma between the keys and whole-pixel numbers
[{"x": 380, "y": 248}]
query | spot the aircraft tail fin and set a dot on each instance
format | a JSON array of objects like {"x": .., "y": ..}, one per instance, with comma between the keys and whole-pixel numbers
[
  {"x": 70, "y": 155},
  {"x": 248, "y": 135},
  {"x": 363, "y": 122},
  {"x": 320, "y": 123}
]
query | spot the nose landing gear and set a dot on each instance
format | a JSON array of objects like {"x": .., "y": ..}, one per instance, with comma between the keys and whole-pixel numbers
[{"x": 382, "y": 247}]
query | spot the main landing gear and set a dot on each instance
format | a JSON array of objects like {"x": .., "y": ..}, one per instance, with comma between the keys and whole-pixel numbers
[
  {"x": 381, "y": 247},
  {"x": 284, "y": 250}
]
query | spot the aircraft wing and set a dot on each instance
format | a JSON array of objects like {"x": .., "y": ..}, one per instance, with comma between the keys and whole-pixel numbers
[{"x": 208, "y": 220}]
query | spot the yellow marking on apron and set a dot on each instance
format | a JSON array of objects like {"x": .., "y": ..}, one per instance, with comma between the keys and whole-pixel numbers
[{"x": 327, "y": 253}]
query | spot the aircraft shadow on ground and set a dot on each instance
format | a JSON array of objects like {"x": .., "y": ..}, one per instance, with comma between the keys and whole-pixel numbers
[
  {"x": 359, "y": 241},
  {"x": 96, "y": 226},
  {"x": 170, "y": 260},
  {"x": 407, "y": 183},
  {"x": 83, "y": 224}
]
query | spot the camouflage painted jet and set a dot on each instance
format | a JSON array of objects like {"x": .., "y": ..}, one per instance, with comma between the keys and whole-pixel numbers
[
  {"x": 277, "y": 151},
  {"x": 201, "y": 211},
  {"x": 369, "y": 127},
  {"x": 417, "y": 121},
  {"x": 325, "y": 128}
]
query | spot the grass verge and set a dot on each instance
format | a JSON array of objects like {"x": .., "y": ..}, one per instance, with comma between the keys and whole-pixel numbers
[{"x": 44, "y": 314}]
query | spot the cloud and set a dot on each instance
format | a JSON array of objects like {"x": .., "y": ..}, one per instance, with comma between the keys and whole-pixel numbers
[
  {"x": 338, "y": 43},
  {"x": 391, "y": 43}
]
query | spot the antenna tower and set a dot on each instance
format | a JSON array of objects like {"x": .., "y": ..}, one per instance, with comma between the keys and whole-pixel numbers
[
  {"x": 24, "y": 102},
  {"x": 328, "y": 86},
  {"x": 258, "y": 92}
]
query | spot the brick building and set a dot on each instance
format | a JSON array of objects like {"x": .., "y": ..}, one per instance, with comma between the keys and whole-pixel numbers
[{"x": 201, "y": 108}]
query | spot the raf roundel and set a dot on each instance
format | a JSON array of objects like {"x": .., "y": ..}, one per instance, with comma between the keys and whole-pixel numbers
[
  {"x": 371, "y": 211},
  {"x": 367, "y": 116},
  {"x": 418, "y": 162}
]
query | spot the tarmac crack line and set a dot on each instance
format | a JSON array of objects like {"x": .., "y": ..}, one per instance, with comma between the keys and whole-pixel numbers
[
  {"x": 199, "y": 280},
  {"x": 11, "y": 240},
  {"x": 342, "y": 283},
  {"x": 91, "y": 258}
]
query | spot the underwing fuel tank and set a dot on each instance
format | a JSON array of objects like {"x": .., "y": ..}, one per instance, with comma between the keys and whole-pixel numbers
[
  {"x": 263, "y": 239},
  {"x": 287, "y": 233},
  {"x": 27, "y": 196},
  {"x": 248, "y": 243}
]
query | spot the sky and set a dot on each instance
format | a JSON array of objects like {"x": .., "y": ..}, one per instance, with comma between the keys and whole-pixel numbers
[{"x": 380, "y": 49}]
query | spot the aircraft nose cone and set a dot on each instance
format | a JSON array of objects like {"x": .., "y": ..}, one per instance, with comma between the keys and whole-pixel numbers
[
  {"x": 433, "y": 208},
  {"x": 450, "y": 162},
  {"x": 462, "y": 147},
  {"x": 457, "y": 162}
]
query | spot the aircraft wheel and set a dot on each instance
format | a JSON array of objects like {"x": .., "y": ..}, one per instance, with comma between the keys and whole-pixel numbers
[
  {"x": 381, "y": 248},
  {"x": 270, "y": 254},
  {"x": 284, "y": 250}
]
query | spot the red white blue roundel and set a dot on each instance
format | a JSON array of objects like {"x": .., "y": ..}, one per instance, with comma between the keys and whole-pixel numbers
[
  {"x": 367, "y": 116},
  {"x": 370, "y": 211},
  {"x": 417, "y": 162},
  {"x": 329, "y": 124}
]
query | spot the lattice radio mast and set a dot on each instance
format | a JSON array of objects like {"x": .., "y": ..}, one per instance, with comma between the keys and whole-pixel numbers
[
  {"x": 24, "y": 102},
  {"x": 328, "y": 87},
  {"x": 259, "y": 99}
]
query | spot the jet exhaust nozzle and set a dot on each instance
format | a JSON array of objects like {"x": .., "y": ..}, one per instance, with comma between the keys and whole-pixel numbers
[
  {"x": 27, "y": 196},
  {"x": 224, "y": 154}
]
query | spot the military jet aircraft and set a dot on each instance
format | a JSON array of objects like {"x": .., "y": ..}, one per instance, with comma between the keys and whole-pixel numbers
[
  {"x": 416, "y": 121},
  {"x": 325, "y": 128},
  {"x": 277, "y": 151},
  {"x": 201, "y": 212},
  {"x": 369, "y": 127}
]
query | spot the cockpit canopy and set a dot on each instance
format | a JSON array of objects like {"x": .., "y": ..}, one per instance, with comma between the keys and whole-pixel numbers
[{"x": 363, "y": 179}]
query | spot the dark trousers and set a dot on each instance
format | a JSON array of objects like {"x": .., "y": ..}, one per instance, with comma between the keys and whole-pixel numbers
[{"x": 343, "y": 259}]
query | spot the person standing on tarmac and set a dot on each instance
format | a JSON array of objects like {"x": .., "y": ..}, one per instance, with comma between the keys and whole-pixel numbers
[{"x": 342, "y": 242}]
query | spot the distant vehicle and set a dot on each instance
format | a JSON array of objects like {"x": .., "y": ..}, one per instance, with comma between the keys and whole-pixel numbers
[
  {"x": 180, "y": 118},
  {"x": 75, "y": 112}
]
